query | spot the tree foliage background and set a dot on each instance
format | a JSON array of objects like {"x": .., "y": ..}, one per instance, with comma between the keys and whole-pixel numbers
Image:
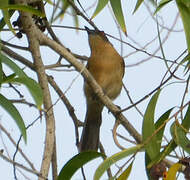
[{"x": 45, "y": 42}]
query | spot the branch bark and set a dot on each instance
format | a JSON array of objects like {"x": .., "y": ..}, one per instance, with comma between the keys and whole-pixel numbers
[{"x": 31, "y": 30}]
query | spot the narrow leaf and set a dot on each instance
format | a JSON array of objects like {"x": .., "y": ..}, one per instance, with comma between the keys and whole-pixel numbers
[
  {"x": 11, "y": 109},
  {"x": 100, "y": 6},
  {"x": 161, "y": 5},
  {"x": 139, "y": 2},
  {"x": 158, "y": 157},
  {"x": 167, "y": 150},
  {"x": 65, "y": 6},
  {"x": 16, "y": 69},
  {"x": 184, "y": 10},
  {"x": 117, "y": 10},
  {"x": 6, "y": 17},
  {"x": 8, "y": 78},
  {"x": 171, "y": 174},
  {"x": 2, "y": 21},
  {"x": 76, "y": 19},
  {"x": 113, "y": 159},
  {"x": 159, "y": 123},
  {"x": 184, "y": 60},
  {"x": 186, "y": 120},
  {"x": 1, "y": 72},
  {"x": 5, "y": 3},
  {"x": 179, "y": 132},
  {"x": 25, "y": 8},
  {"x": 179, "y": 135},
  {"x": 126, "y": 173},
  {"x": 33, "y": 88},
  {"x": 147, "y": 162},
  {"x": 77, "y": 162},
  {"x": 148, "y": 129}
]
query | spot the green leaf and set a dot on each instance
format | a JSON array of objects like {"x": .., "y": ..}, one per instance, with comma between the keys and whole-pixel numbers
[
  {"x": 139, "y": 2},
  {"x": 25, "y": 8},
  {"x": 113, "y": 159},
  {"x": 148, "y": 129},
  {"x": 1, "y": 72},
  {"x": 161, "y": 5},
  {"x": 5, "y": 13},
  {"x": 160, "y": 123},
  {"x": 2, "y": 21},
  {"x": 171, "y": 174},
  {"x": 16, "y": 69},
  {"x": 11, "y": 109},
  {"x": 76, "y": 19},
  {"x": 61, "y": 14},
  {"x": 147, "y": 162},
  {"x": 33, "y": 88},
  {"x": 186, "y": 120},
  {"x": 8, "y": 78},
  {"x": 77, "y": 162},
  {"x": 184, "y": 60},
  {"x": 161, "y": 47},
  {"x": 179, "y": 132},
  {"x": 179, "y": 135},
  {"x": 100, "y": 6},
  {"x": 117, "y": 10},
  {"x": 184, "y": 9},
  {"x": 65, "y": 6},
  {"x": 126, "y": 173},
  {"x": 185, "y": 2},
  {"x": 167, "y": 150}
]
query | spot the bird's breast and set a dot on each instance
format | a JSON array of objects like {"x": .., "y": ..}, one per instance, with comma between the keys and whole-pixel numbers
[{"x": 107, "y": 70}]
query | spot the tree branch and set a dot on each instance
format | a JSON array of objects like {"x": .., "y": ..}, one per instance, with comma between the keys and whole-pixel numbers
[{"x": 31, "y": 30}]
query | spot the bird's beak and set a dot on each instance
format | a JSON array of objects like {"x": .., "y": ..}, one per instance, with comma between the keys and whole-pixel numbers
[{"x": 89, "y": 31}]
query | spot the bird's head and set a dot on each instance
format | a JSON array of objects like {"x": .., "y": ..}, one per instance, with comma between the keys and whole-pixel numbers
[{"x": 96, "y": 38}]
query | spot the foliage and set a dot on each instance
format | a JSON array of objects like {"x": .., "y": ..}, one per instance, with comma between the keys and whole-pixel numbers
[
  {"x": 5, "y": 6},
  {"x": 76, "y": 163},
  {"x": 117, "y": 10},
  {"x": 154, "y": 130},
  {"x": 18, "y": 76}
]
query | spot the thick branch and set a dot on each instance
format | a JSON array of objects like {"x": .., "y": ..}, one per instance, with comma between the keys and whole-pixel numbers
[{"x": 31, "y": 30}]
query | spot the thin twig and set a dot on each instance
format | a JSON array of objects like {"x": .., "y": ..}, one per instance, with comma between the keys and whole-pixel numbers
[
  {"x": 117, "y": 123},
  {"x": 81, "y": 14},
  {"x": 14, "y": 46},
  {"x": 20, "y": 150},
  {"x": 70, "y": 108},
  {"x": 102, "y": 150},
  {"x": 21, "y": 166}
]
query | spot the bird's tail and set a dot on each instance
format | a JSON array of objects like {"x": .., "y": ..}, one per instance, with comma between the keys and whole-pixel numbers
[{"x": 90, "y": 133}]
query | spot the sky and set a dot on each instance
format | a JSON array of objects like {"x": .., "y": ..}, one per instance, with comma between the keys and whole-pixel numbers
[{"x": 139, "y": 79}]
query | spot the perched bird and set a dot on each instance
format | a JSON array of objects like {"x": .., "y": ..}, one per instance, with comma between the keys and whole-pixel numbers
[{"x": 107, "y": 68}]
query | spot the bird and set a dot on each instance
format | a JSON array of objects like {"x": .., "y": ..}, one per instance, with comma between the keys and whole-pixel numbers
[{"x": 108, "y": 68}]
